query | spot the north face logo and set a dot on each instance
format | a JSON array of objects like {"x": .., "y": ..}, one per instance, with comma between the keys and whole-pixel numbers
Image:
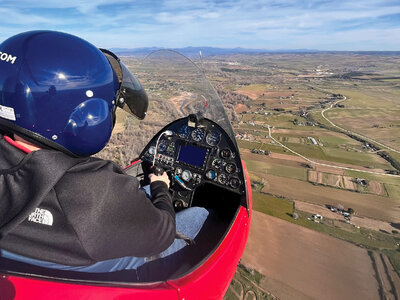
[{"x": 41, "y": 216}]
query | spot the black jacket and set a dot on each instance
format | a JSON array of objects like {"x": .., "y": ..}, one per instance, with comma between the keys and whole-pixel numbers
[{"x": 78, "y": 211}]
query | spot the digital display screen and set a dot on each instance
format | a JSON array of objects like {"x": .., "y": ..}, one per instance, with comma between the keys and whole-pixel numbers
[{"x": 192, "y": 155}]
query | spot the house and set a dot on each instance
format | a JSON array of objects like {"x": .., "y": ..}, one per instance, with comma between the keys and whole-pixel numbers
[{"x": 312, "y": 140}]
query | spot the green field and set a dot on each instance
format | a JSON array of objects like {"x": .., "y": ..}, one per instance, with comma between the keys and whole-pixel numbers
[
  {"x": 368, "y": 96},
  {"x": 339, "y": 155},
  {"x": 265, "y": 146},
  {"x": 273, "y": 206},
  {"x": 371, "y": 109},
  {"x": 276, "y": 169},
  {"x": 255, "y": 87},
  {"x": 393, "y": 190},
  {"x": 379, "y": 124}
]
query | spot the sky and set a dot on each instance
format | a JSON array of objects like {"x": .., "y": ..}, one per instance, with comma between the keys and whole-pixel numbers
[{"x": 359, "y": 25}]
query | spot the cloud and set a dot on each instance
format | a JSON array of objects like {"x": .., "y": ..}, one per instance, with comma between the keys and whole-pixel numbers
[{"x": 175, "y": 23}]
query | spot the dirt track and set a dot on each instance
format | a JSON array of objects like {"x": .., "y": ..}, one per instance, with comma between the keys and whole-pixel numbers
[{"x": 301, "y": 264}]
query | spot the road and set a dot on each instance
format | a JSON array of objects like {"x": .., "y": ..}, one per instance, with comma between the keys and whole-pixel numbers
[
  {"x": 322, "y": 164},
  {"x": 351, "y": 132}
]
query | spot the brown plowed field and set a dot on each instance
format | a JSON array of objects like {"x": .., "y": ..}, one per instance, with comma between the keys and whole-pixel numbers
[
  {"x": 300, "y": 263},
  {"x": 271, "y": 158},
  {"x": 376, "y": 188},
  {"x": 345, "y": 182},
  {"x": 331, "y": 170},
  {"x": 239, "y": 108},
  {"x": 253, "y": 95},
  {"x": 373, "y": 206}
]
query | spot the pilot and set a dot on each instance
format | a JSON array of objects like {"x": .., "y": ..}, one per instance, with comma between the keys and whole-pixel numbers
[{"x": 59, "y": 207}]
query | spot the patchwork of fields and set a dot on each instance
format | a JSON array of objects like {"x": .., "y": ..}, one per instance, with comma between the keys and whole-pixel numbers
[{"x": 349, "y": 163}]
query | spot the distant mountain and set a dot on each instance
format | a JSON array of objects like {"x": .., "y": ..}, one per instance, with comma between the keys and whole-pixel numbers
[
  {"x": 210, "y": 51},
  {"x": 206, "y": 51}
]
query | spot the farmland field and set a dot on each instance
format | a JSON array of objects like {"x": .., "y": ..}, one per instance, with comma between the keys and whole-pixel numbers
[
  {"x": 311, "y": 254},
  {"x": 342, "y": 168},
  {"x": 316, "y": 131}
]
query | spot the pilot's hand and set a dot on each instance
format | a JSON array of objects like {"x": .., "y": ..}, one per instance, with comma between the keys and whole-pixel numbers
[{"x": 164, "y": 177}]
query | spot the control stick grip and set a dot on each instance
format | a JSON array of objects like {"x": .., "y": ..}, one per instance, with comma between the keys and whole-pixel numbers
[{"x": 156, "y": 170}]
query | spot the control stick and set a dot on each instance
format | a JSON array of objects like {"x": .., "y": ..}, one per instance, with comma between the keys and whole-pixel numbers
[{"x": 157, "y": 170}]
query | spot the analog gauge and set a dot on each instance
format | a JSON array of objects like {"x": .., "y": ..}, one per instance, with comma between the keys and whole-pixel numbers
[
  {"x": 222, "y": 178},
  {"x": 234, "y": 182},
  {"x": 184, "y": 132},
  {"x": 198, "y": 134},
  {"x": 186, "y": 175},
  {"x": 162, "y": 146},
  {"x": 210, "y": 174},
  {"x": 225, "y": 153},
  {"x": 152, "y": 150},
  {"x": 230, "y": 168},
  {"x": 216, "y": 163},
  {"x": 213, "y": 138}
]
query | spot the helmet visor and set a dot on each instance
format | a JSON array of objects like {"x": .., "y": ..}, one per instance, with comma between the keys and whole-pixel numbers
[{"x": 131, "y": 96}]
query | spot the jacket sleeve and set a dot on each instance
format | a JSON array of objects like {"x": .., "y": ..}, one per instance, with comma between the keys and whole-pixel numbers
[{"x": 111, "y": 216}]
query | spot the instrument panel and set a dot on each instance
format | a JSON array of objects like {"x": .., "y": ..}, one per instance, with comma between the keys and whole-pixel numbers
[{"x": 195, "y": 155}]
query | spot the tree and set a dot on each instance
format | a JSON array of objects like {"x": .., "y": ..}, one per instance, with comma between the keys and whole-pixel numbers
[{"x": 350, "y": 210}]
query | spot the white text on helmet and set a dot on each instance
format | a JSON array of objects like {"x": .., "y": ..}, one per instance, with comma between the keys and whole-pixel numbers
[{"x": 7, "y": 57}]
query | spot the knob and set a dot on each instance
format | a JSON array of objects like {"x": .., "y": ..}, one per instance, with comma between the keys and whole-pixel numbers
[{"x": 210, "y": 174}]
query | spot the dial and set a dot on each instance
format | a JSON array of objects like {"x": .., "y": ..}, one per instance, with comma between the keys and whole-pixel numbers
[
  {"x": 230, "y": 168},
  {"x": 152, "y": 150},
  {"x": 234, "y": 182},
  {"x": 222, "y": 178},
  {"x": 186, "y": 175},
  {"x": 184, "y": 132},
  {"x": 213, "y": 138},
  {"x": 198, "y": 134},
  {"x": 225, "y": 153},
  {"x": 210, "y": 174},
  {"x": 216, "y": 163},
  {"x": 162, "y": 146}
]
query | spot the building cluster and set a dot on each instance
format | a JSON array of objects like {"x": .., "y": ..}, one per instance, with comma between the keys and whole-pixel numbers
[{"x": 245, "y": 137}]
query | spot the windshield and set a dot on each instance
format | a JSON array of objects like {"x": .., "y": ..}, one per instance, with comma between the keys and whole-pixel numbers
[{"x": 176, "y": 87}]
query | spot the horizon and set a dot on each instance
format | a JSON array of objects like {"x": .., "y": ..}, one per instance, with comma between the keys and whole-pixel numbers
[
  {"x": 253, "y": 50},
  {"x": 324, "y": 25}
]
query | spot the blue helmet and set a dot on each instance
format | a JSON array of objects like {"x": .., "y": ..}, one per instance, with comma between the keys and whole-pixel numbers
[{"x": 60, "y": 91}]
